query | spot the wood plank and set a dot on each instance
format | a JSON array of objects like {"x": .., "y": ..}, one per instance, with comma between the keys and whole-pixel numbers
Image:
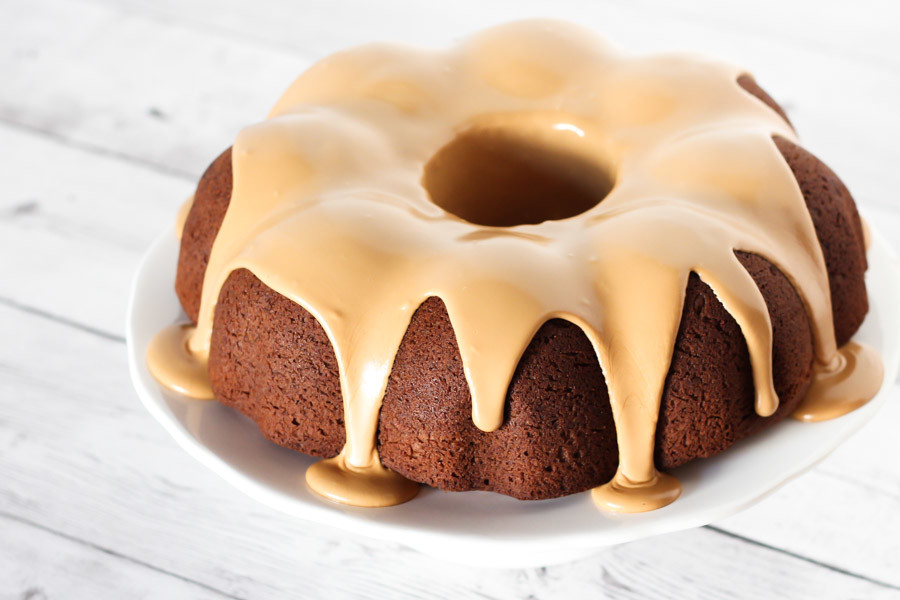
[
  {"x": 100, "y": 469},
  {"x": 126, "y": 81},
  {"x": 862, "y": 458},
  {"x": 72, "y": 239},
  {"x": 79, "y": 236},
  {"x": 83, "y": 236},
  {"x": 822, "y": 517},
  {"x": 862, "y": 38},
  {"x": 133, "y": 86},
  {"x": 36, "y": 565},
  {"x": 85, "y": 227},
  {"x": 67, "y": 232}
]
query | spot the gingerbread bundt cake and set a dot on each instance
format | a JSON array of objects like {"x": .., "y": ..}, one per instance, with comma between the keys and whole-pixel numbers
[{"x": 528, "y": 264}]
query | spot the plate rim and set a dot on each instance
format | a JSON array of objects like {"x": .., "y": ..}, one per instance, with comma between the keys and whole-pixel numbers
[{"x": 437, "y": 542}]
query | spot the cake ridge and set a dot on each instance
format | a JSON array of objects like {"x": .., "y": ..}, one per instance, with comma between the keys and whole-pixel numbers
[{"x": 294, "y": 199}]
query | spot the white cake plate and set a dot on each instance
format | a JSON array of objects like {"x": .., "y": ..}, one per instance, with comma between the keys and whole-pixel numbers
[{"x": 483, "y": 528}]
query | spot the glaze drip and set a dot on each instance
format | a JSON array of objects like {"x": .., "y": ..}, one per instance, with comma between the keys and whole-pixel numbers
[
  {"x": 331, "y": 208},
  {"x": 372, "y": 486}
]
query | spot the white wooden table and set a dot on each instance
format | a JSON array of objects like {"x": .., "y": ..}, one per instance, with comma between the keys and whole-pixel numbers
[{"x": 109, "y": 111}]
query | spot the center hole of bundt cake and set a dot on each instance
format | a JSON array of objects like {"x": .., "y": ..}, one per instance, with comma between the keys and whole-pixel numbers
[{"x": 491, "y": 177}]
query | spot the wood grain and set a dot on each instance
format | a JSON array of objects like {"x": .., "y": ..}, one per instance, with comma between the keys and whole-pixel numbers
[
  {"x": 59, "y": 566},
  {"x": 101, "y": 471},
  {"x": 149, "y": 105},
  {"x": 109, "y": 111}
]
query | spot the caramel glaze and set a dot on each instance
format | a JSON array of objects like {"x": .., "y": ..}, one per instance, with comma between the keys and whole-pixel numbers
[{"x": 351, "y": 200}]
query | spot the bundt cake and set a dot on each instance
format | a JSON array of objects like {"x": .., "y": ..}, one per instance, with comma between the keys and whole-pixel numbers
[{"x": 528, "y": 264}]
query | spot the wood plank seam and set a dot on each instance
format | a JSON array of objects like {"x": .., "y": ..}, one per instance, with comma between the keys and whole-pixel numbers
[
  {"x": 840, "y": 476},
  {"x": 191, "y": 176},
  {"x": 216, "y": 31},
  {"x": 110, "y": 129},
  {"x": 118, "y": 339},
  {"x": 538, "y": 570},
  {"x": 813, "y": 561},
  {"x": 311, "y": 55},
  {"x": 737, "y": 27},
  {"x": 69, "y": 142},
  {"x": 22, "y": 113},
  {"x": 115, "y": 554},
  {"x": 8, "y": 302}
]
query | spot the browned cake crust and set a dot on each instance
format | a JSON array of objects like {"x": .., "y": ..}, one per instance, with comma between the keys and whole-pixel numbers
[
  {"x": 840, "y": 234},
  {"x": 272, "y": 360},
  {"x": 747, "y": 82},
  {"x": 200, "y": 229}
]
